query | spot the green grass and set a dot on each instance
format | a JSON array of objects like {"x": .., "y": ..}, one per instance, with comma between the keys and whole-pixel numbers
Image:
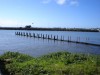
[{"x": 60, "y": 63}]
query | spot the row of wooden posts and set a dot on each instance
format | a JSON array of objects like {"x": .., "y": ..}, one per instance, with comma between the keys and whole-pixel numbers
[
  {"x": 45, "y": 36},
  {"x": 53, "y": 37}
]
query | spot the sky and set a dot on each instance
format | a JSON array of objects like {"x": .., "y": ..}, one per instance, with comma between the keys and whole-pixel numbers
[{"x": 50, "y": 13}]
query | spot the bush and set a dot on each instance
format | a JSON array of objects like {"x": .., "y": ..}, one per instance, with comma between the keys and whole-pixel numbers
[{"x": 60, "y": 63}]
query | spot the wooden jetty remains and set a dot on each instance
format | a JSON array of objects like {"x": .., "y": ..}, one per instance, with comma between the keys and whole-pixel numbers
[{"x": 51, "y": 37}]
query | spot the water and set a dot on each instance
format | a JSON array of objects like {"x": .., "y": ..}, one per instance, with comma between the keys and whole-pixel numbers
[{"x": 37, "y": 47}]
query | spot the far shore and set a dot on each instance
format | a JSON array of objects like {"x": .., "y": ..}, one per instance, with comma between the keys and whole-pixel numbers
[{"x": 50, "y": 29}]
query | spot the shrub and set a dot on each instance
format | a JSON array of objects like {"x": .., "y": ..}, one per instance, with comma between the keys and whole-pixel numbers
[{"x": 59, "y": 63}]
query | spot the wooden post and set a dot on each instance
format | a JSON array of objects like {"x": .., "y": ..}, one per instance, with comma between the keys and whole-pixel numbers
[
  {"x": 17, "y": 33},
  {"x": 34, "y": 35},
  {"x": 61, "y": 38},
  {"x": 27, "y": 34},
  {"x": 86, "y": 39},
  {"x": 30, "y": 35},
  {"x": 43, "y": 36},
  {"x": 48, "y": 37},
  {"x": 24, "y": 33},
  {"x": 39, "y": 35},
  {"x": 21, "y": 34},
  {"x": 54, "y": 37}
]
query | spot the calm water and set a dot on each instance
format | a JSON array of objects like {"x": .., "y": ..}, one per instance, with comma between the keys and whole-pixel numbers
[{"x": 37, "y": 47}]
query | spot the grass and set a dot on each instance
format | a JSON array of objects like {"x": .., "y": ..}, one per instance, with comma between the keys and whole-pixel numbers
[{"x": 60, "y": 63}]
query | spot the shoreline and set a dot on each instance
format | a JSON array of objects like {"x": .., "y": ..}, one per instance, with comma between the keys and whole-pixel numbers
[{"x": 49, "y": 29}]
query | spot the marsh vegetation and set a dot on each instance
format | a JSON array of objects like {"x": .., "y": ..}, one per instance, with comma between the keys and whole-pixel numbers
[{"x": 59, "y": 63}]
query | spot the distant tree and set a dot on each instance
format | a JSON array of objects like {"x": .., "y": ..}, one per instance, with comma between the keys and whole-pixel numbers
[
  {"x": 28, "y": 26},
  {"x": 20, "y": 27}
]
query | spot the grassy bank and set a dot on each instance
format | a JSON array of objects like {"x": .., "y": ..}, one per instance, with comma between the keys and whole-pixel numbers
[{"x": 60, "y": 63}]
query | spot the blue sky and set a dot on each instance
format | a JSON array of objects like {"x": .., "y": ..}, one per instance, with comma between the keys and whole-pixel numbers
[{"x": 50, "y": 13}]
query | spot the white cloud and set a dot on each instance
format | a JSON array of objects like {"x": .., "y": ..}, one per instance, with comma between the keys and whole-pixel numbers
[{"x": 60, "y": 2}]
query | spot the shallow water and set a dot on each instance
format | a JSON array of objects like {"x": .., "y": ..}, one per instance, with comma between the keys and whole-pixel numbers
[{"x": 37, "y": 47}]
